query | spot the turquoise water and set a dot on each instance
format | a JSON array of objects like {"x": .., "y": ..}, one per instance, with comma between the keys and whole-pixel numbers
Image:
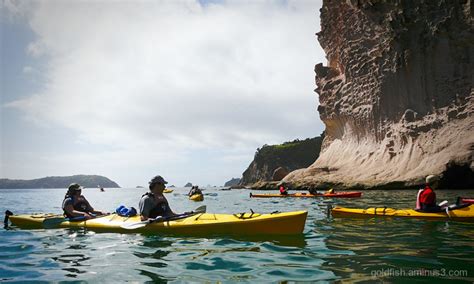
[{"x": 331, "y": 250}]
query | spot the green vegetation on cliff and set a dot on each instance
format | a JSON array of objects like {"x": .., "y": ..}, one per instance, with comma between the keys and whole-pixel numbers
[
  {"x": 291, "y": 156},
  {"x": 59, "y": 182}
]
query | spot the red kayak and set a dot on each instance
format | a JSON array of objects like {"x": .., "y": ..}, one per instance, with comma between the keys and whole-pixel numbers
[
  {"x": 468, "y": 200},
  {"x": 341, "y": 194}
]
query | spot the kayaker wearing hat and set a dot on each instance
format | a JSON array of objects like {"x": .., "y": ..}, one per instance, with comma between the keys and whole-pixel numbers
[
  {"x": 154, "y": 203},
  {"x": 426, "y": 199},
  {"x": 76, "y": 205}
]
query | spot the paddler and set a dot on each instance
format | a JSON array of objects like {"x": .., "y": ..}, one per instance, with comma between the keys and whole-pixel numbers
[
  {"x": 76, "y": 205},
  {"x": 194, "y": 190},
  {"x": 426, "y": 198},
  {"x": 283, "y": 190},
  {"x": 154, "y": 203}
]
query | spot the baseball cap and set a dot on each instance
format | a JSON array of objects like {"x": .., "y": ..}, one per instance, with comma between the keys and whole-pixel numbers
[
  {"x": 75, "y": 186},
  {"x": 157, "y": 179}
]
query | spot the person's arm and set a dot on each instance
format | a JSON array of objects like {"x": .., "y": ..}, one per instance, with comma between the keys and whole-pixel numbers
[
  {"x": 70, "y": 211},
  {"x": 90, "y": 209},
  {"x": 145, "y": 206},
  {"x": 169, "y": 212}
]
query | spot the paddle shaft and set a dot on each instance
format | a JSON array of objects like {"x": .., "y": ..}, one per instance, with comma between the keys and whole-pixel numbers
[{"x": 137, "y": 225}]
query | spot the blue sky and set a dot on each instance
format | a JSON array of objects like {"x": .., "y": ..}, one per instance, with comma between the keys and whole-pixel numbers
[{"x": 131, "y": 89}]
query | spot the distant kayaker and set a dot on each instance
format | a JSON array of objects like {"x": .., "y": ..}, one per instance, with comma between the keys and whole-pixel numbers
[
  {"x": 283, "y": 190},
  {"x": 154, "y": 203},
  {"x": 76, "y": 205},
  {"x": 426, "y": 198},
  {"x": 194, "y": 190}
]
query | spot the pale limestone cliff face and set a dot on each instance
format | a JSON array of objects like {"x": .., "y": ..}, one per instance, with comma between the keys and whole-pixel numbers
[{"x": 397, "y": 95}]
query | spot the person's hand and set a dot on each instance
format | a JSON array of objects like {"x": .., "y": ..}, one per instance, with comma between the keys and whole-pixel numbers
[{"x": 87, "y": 216}]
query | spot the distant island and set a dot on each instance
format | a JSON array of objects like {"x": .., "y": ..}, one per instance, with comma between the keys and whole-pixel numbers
[
  {"x": 188, "y": 184},
  {"x": 59, "y": 182}
]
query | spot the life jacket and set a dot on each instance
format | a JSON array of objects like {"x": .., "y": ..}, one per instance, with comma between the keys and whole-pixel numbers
[
  {"x": 81, "y": 205},
  {"x": 162, "y": 208},
  {"x": 195, "y": 191},
  {"x": 428, "y": 196}
]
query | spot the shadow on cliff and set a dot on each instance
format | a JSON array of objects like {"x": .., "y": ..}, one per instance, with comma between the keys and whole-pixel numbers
[{"x": 457, "y": 177}]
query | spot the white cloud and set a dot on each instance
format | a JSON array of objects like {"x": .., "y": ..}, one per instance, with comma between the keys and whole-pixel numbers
[
  {"x": 172, "y": 77},
  {"x": 28, "y": 69}
]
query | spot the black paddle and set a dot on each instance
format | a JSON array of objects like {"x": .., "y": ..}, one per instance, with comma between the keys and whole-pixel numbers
[
  {"x": 54, "y": 222},
  {"x": 137, "y": 225}
]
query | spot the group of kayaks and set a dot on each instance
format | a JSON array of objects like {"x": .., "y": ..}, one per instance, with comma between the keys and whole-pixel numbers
[
  {"x": 341, "y": 194},
  {"x": 462, "y": 211},
  {"x": 194, "y": 197},
  {"x": 202, "y": 223}
]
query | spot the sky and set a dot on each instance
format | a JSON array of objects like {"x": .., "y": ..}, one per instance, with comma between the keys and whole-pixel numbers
[{"x": 132, "y": 89}]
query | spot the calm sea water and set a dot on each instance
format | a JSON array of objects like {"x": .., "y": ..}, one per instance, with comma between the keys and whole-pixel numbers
[{"x": 331, "y": 250}]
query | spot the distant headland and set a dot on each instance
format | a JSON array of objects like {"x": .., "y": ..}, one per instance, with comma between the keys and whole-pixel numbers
[{"x": 59, "y": 182}]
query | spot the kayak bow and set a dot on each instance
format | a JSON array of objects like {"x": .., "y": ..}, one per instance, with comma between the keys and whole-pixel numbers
[
  {"x": 197, "y": 197},
  {"x": 467, "y": 200}
]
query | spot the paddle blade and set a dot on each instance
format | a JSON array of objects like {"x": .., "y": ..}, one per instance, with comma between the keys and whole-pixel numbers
[
  {"x": 443, "y": 203},
  {"x": 136, "y": 225},
  {"x": 200, "y": 209},
  {"x": 54, "y": 222},
  {"x": 133, "y": 226}
]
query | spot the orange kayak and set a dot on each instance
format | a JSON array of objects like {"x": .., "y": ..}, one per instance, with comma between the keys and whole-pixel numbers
[
  {"x": 467, "y": 200},
  {"x": 342, "y": 194}
]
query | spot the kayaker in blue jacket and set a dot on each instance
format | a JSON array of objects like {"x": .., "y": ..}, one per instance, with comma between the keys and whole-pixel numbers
[
  {"x": 154, "y": 203},
  {"x": 76, "y": 205}
]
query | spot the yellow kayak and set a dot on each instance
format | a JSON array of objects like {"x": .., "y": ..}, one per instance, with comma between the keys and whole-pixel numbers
[
  {"x": 462, "y": 213},
  {"x": 284, "y": 223},
  {"x": 197, "y": 197},
  {"x": 167, "y": 190}
]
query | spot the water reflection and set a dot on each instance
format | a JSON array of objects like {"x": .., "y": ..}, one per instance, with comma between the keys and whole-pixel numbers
[
  {"x": 155, "y": 278},
  {"x": 370, "y": 245},
  {"x": 342, "y": 250}
]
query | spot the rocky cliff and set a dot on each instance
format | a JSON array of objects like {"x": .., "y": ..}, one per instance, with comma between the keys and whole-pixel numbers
[
  {"x": 59, "y": 182},
  {"x": 396, "y": 95},
  {"x": 289, "y": 155}
]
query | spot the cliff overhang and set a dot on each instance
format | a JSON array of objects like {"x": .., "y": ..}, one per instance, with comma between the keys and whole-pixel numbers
[{"x": 396, "y": 96}]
